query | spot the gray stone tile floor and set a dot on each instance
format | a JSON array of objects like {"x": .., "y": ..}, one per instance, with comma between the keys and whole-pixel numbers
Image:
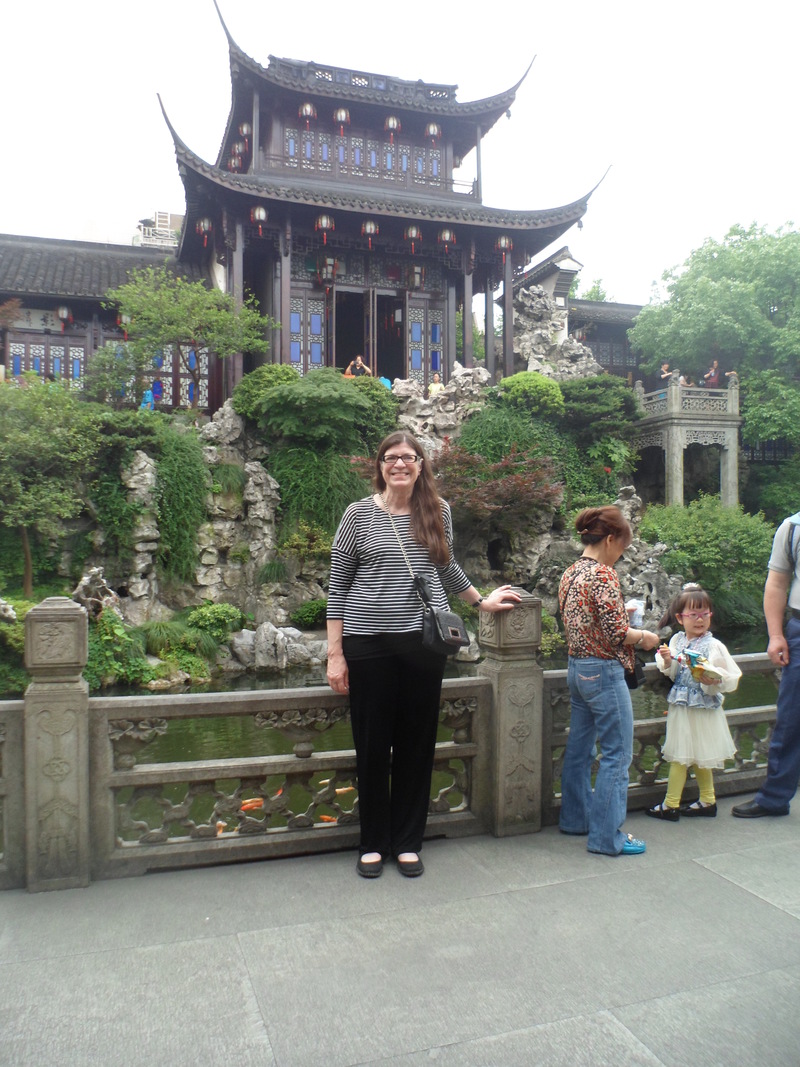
[{"x": 519, "y": 951}]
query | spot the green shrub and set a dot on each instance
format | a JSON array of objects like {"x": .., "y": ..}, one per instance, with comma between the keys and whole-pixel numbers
[
  {"x": 532, "y": 393},
  {"x": 311, "y": 615},
  {"x": 218, "y": 620},
  {"x": 228, "y": 479},
  {"x": 319, "y": 411},
  {"x": 240, "y": 553},
  {"x": 115, "y": 654},
  {"x": 316, "y": 484},
  {"x": 599, "y": 407},
  {"x": 307, "y": 541},
  {"x": 274, "y": 570},
  {"x": 775, "y": 490},
  {"x": 181, "y": 495},
  {"x": 494, "y": 430},
  {"x": 195, "y": 666},
  {"x": 250, "y": 395},
  {"x": 14, "y": 680},
  {"x": 382, "y": 417},
  {"x": 721, "y": 548}
]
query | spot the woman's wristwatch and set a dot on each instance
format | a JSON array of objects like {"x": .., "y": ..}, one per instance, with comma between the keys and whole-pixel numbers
[{"x": 477, "y": 603}]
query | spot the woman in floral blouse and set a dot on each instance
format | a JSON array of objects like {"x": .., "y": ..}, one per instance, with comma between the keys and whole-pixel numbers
[{"x": 601, "y": 647}]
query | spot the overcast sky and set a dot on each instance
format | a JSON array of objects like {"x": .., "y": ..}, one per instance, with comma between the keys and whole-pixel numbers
[{"x": 690, "y": 103}]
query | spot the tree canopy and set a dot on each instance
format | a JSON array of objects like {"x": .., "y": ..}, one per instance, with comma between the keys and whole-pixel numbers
[{"x": 167, "y": 311}]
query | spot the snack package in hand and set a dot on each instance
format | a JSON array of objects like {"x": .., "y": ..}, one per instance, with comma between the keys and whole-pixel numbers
[{"x": 701, "y": 670}]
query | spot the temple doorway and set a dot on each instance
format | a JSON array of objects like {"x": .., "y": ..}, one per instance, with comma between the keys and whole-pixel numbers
[{"x": 371, "y": 324}]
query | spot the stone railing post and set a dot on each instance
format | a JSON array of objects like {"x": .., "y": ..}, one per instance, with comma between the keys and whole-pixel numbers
[
  {"x": 57, "y": 853},
  {"x": 511, "y": 640}
]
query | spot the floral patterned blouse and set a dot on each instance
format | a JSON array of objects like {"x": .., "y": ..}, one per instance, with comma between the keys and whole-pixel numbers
[{"x": 593, "y": 611}]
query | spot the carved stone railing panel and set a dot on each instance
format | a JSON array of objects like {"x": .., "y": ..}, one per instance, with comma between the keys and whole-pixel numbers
[{"x": 302, "y": 725}]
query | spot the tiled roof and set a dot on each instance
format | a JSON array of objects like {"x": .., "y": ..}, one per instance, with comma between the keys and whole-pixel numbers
[
  {"x": 584, "y": 311},
  {"x": 40, "y": 266}
]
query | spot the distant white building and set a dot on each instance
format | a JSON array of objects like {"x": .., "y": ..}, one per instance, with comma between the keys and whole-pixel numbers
[{"x": 163, "y": 230}]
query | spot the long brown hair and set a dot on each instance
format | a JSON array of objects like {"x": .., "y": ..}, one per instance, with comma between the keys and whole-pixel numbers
[
  {"x": 427, "y": 526},
  {"x": 596, "y": 524}
]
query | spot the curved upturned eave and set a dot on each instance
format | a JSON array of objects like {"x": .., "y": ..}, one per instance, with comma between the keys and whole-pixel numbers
[{"x": 363, "y": 201}]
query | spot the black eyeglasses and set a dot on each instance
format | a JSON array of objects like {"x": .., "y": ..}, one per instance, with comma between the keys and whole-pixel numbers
[{"x": 408, "y": 458}]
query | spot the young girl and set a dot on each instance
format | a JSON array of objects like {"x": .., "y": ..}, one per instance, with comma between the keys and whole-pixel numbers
[{"x": 697, "y": 730}]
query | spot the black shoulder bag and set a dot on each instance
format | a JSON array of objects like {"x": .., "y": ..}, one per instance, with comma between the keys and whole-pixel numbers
[{"x": 443, "y": 632}]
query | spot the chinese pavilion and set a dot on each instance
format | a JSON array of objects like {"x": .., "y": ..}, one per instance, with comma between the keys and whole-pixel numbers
[{"x": 333, "y": 200}]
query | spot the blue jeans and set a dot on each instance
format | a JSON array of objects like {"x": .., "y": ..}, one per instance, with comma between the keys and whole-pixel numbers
[
  {"x": 783, "y": 765},
  {"x": 601, "y": 712}
]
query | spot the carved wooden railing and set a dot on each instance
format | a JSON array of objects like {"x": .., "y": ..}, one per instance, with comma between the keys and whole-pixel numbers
[{"x": 85, "y": 794}]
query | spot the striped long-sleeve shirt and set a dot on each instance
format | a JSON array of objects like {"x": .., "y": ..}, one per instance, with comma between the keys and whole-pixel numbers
[{"x": 371, "y": 588}]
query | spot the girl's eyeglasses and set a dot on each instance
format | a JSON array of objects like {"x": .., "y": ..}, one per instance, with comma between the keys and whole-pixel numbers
[{"x": 694, "y": 614}]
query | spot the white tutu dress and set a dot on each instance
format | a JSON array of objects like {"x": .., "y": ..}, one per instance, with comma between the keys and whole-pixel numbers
[{"x": 697, "y": 730}]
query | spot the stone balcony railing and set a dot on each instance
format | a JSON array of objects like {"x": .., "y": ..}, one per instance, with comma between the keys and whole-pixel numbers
[{"x": 81, "y": 800}]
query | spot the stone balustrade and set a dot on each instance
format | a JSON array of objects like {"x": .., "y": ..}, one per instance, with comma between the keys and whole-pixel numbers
[{"x": 81, "y": 798}]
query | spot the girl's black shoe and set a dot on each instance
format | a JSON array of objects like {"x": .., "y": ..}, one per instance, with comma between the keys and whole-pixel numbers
[
  {"x": 705, "y": 811},
  {"x": 660, "y": 811}
]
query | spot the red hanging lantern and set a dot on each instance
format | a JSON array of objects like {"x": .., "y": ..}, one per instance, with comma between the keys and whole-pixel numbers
[
  {"x": 504, "y": 244},
  {"x": 124, "y": 321},
  {"x": 369, "y": 229},
  {"x": 446, "y": 237},
  {"x": 258, "y": 216},
  {"x": 324, "y": 223},
  {"x": 307, "y": 112},
  {"x": 235, "y": 163},
  {"x": 238, "y": 148},
  {"x": 244, "y": 131},
  {"x": 413, "y": 234},
  {"x": 65, "y": 315},
  {"x": 341, "y": 116},
  {"x": 204, "y": 227},
  {"x": 434, "y": 131},
  {"x": 392, "y": 126}
]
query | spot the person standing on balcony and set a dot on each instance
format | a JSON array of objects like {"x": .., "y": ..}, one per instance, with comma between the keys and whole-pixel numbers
[
  {"x": 783, "y": 763},
  {"x": 711, "y": 376},
  {"x": 375, "y": 651},
  {"x": 601, "y": 646}
]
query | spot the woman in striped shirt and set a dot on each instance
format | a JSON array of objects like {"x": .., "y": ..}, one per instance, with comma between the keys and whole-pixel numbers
[{"x": 375, "y": 651}]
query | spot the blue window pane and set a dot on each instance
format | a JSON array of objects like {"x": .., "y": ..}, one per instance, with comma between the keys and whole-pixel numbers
[
  {"x": 294, "y": 351},
  {"x": 416, "y": 359},
  {"x": 16, "y": 364},
  {"x": 294, "y": 322},
  {"x": 341, "y": 153},
  {"x": 420, "y": 165},
  {"x": 292, "y": 148},
  {"x": 308, "y": 149},
  {"x": 192, "y": 360},
  {"x": 324, "y": 152},
  {"x": 404, "y": 162},
  {"x": 37, "y": 364},
  {"x": 416, "y": 332},
  {"x": 389, "y": 160},
  {"x": 373, "y": 158},
  {"x": 316, "y": 325},
  {"x": 158, "y": 391},
  {"x": 191, "y": 392},
  {"x": 357, "y": 156},
  {"x": 435, "y": 167},
  {"x": 435, "y": 361},
  {"x": 57, "y": 366},
  {"x": 436, "y": 332},
  {"x": 158, "y": 359},
  {"x": 76, "y": 369},
  {"x": 316, "y": 352}
]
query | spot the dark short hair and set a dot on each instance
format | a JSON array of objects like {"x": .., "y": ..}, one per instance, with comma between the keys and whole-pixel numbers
[{"x": 595, "y": 524}]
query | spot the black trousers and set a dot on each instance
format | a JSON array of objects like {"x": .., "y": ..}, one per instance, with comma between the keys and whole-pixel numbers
[{"x": 395, "y": 694}]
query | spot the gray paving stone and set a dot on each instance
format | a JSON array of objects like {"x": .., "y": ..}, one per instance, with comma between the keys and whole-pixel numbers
[
  {"x": 769, "y": 871},
  {"x": 750, "y": 1022}
]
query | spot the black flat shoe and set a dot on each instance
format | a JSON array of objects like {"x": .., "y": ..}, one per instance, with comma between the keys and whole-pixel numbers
[
  {"x": 753, "y": 810},
  {"x": 660, "y": 812},
  {"x": 410, "y": 868},
  {"x": 370, "y": 870},
  {"x": 703, "y": 811}
]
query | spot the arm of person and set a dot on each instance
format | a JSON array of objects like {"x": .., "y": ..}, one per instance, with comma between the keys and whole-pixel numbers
[
  {"x": 776, "y": 591},
  {"x": 666, "y": 662},
  {"x": 338, "y": 676},
  {"x": 612, "y": 614},
  {"x": 503, "y": 598},
  {"x": 724, "y": 662}
]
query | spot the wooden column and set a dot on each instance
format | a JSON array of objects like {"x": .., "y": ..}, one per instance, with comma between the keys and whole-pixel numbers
[
  {"x": 488, "y": 327},
  {"x": 508, "y": 320},
  {"x": 286, "y": 292},
  {"x": 466, "y": 318},
  {"x": 255, "y": 152},
  {"x": 235, "y": 362}
]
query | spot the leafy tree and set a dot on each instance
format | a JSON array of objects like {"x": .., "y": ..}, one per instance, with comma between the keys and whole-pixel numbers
[
  {"x": 8, "y": 313},
  {"x": 250, "y": 397},
  {"x": 46, "y": 446},
  {"x": 598, "y": 407},
  {"x": 115, "y": 374},
  {"x": 382, "y": 417},
  {"x": 722, "y": 548},
  {"x": 478, "y": 343},
  {"x": 181, "y": 494},
  {"x": 319, "y": 410},
  {"x": 167, "y": 311},
  {"x": 594, "y": 292},
  {"x": 770, "y": 408},
  {"x": 734, "y": 300}
]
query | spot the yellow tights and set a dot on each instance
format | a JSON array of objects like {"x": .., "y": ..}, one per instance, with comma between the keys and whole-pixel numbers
[{"x": 677, "y": 780}]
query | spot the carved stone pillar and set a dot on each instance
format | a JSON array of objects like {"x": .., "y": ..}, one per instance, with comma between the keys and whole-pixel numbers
[
  {"x": 673, "y": 466},
  {"x": 511, "y": 639},
  {"x": 56, "y": 746},
  {"x": 729, "y": 470}
]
